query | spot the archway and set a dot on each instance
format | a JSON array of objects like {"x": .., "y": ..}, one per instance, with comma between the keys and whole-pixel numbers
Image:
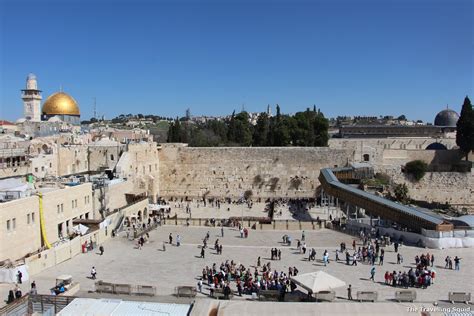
[{"x": 436, "y": 146}]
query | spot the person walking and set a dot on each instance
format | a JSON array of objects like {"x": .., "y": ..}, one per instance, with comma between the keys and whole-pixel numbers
[
  {"x": 337, "y": 255},
  {"x": 381, "y": 259},
  {"x": 372, "y": 273},
  {"x": 170, "y": 238},
  {"x": 222, "y": 231},
  {"x": 199, "y": 286},
  {"x": 178, "y": 240},
  {"x": 93, "y": 273},
  {"x": 303, "y": 236},
  {"x": 349, "y": 293},
  {"x": 101, "y": 249},
  {"x": 202, "y": 252},
  {"x": 19, "y": 275},
  {"x": 258, "y": 262},
  {"x": 432, "y": 260}
]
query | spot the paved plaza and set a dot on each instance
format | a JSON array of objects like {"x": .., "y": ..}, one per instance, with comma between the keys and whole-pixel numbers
[
  {"x": 282, "y": 212},
  {"x": 122, "y": 262}
]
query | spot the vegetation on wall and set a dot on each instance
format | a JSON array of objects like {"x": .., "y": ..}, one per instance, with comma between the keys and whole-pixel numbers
[{"x": 416, "y": 168}]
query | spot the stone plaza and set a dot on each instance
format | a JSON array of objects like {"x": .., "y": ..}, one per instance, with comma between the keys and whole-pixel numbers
[{"x": 123, "y": 262}]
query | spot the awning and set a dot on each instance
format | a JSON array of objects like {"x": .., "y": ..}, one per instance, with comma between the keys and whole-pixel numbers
[{"x": 317, "y": 281}]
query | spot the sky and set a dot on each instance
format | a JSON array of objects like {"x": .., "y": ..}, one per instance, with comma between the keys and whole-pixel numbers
[{"x": 347, "y": 57}]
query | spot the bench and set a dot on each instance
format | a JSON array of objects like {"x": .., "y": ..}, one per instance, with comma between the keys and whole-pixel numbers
[
  {"x": 268, "y": 295},
  {"x": 405, "y": 295},
  {"x": 104, "y": 287},
  {"x": 219, "y": 293},
  {"x": 367, "y": 296},
  {"x": 327, "y": 296},
  {"x": 145, "y": 290},
  {"x": 459, "y": 297},
  {"x": 185, "y": 291},
  {"x": 123, "y": 289}
]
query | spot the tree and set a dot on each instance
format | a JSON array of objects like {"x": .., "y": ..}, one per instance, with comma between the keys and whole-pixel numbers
[
  {"x": 401, "y": 193},
  {"x": 416, "y": 168},
  {"x": 260, "y": 134},
  {"x": 402, "y": 117},
  {"x": 465, "y": 128}
]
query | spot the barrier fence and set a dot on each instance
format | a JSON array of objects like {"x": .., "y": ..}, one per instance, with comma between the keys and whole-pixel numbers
[{"x": 254, "y": 224}]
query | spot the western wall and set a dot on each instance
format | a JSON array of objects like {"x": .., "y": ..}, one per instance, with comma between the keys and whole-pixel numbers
[
  {"x": 231, "y": 171},
  {"x": 293, "y": 172}
]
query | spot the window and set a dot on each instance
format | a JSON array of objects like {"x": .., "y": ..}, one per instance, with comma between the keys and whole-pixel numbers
[
  {"x": 42, "y": 168},
  {"x": 36, "y": 169},
  {"x": 72, "y": 202},
  {"x": 59, "y": 209},
  {"x": 8, "y": 224},
  {"x": 32, "y": 217},
  {"x": 50, "y": 165},
  {"x": 111, "y": 157},
  {"x": 149, "y": 168},
  {"x": 62, "y": 207},
  {"x": 14, "y": 223},
  {"x": 28, "y": 218}
]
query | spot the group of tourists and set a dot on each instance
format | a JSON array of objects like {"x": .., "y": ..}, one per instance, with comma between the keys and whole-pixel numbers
[
  {"x": 275, "y": 254},
  {"x": 449, "y": 263},
  {"x": 421, "y": 278},
  {"x": 247, "y": 281}
]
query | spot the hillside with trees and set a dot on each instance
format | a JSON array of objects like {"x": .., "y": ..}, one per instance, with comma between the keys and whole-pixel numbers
[{"x": 308, "y": 128}]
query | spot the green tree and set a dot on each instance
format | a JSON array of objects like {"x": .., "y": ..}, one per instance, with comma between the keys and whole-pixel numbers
[
  {"x": 416, "y": 168},
  {"x": 260, "y": 134},
  {"x": 401, "y": 193},
  {"x": 465, "y": 128},
  {"x": 243, "y": 133}
]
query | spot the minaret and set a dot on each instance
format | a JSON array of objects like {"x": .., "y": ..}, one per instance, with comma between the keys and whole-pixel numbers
[{"x": 31, "y": 99}]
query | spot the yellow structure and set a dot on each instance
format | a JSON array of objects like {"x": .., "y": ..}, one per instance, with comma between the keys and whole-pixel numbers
[
  {"x": 60, "y": 103},
  {"x": 60, "y": 107},
  {"x": 42, "y": 222}
]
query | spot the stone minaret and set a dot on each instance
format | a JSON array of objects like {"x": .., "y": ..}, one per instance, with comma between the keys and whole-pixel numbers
[{"x": 31, "y": 99}]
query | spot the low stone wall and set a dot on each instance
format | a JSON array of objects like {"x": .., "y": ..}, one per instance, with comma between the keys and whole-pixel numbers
[{"x": 274, "y": 225}]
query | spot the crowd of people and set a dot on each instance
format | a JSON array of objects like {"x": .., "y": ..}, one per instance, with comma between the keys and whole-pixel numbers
[{"x": 246, "y": 280}]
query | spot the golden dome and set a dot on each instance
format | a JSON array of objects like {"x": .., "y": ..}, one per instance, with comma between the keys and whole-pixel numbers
[{"x": 60, "y": 103}]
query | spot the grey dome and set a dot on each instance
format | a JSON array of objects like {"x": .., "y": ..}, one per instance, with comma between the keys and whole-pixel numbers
[{"x": 446, "y": 117}]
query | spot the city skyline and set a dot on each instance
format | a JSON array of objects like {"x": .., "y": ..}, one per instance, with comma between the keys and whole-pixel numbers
[{"x": 369, "y": 58}]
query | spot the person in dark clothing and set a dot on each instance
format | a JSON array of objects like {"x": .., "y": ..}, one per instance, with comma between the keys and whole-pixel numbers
[
  {"x": 11, "y": 297},
  {"x": 19, "y": 276},
  {"x": 18, "y": 293},
  {"x": 101, "y": 249},
  {"x": 202, "y": 252},
  {"x": 349, "y": 293},
  {"x": 226, "y": 291}
]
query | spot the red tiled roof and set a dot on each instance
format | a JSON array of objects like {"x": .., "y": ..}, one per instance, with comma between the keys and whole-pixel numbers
[{"x": 3, "y": 122}]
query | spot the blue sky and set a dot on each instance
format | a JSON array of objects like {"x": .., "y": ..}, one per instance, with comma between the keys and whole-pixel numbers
[{"x": 161, "y": 57}]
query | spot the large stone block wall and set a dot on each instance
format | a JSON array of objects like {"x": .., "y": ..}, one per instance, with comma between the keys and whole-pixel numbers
[
  {"x": 376, "y": 147},
  {"x": 230, "y": 171},
  {"x": 455, "y": 188}
]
